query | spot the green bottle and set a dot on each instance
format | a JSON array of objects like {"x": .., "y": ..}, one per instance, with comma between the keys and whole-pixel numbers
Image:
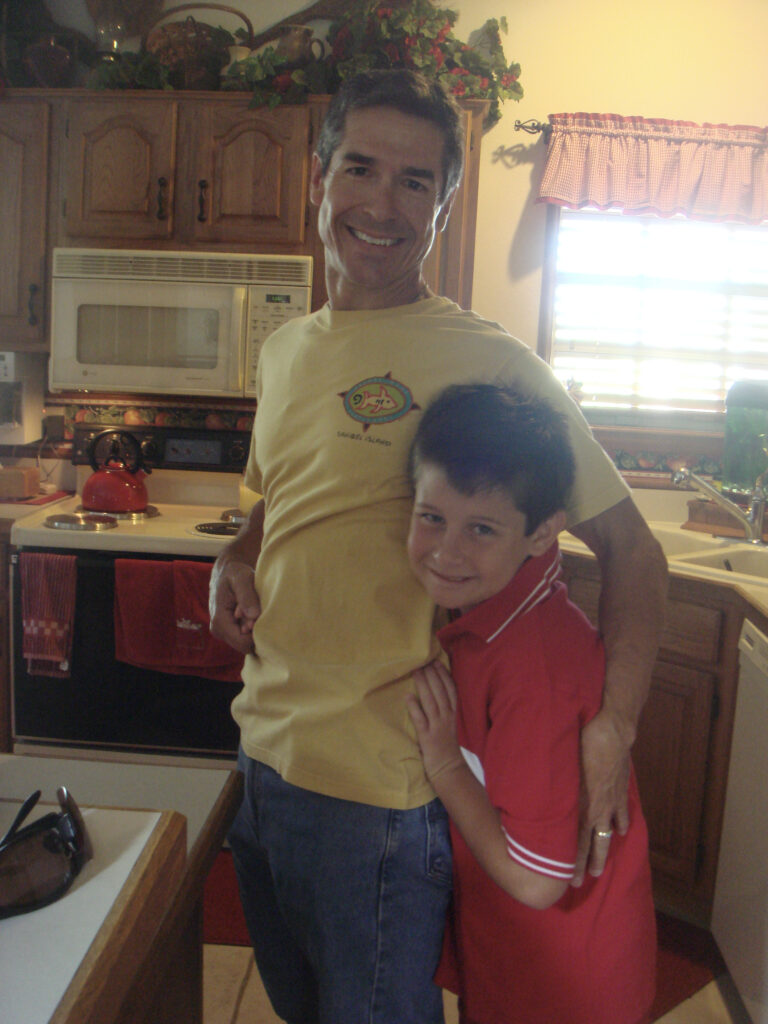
[{"x": 745, "y": 454}]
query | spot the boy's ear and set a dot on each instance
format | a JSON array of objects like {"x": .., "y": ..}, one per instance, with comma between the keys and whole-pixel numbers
[{"x": 546, "y": 533}]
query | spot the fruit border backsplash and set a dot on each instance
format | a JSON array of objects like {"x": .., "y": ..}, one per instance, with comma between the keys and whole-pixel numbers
[{"x": 140, "y": 415}]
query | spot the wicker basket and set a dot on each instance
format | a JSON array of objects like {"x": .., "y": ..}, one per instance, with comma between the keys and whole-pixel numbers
[{"x": 190, "y": 49}]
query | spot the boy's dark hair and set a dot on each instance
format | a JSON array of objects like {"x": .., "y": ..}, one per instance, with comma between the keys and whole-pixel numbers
[
  {"x": 410, "y": 93},
  {"x": 485, "y": 437}
]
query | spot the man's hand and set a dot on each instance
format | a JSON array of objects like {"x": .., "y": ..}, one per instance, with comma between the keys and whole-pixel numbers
[
  {"x": 233, "y": 603},
  {"x": 604, "y": 780},
  {"x": 631, "y": 614}
]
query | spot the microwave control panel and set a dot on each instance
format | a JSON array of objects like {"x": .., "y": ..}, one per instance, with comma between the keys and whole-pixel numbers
[{"x": 269, "y": 307}]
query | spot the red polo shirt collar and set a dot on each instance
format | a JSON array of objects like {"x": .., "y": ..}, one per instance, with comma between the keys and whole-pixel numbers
[{"x": 531, "y": 584}]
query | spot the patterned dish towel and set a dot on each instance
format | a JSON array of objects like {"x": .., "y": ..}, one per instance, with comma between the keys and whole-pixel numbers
[{"x": 47, "y": 611}]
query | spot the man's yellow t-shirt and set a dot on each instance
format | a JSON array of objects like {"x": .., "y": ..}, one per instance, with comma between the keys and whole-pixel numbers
[{"x": 344, "y": 621}]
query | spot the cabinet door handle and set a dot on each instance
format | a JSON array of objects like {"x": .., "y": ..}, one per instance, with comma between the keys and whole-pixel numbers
[
  {"x": 32, "y": 318},
  {"x": 162, "y": 212},
  {"x": 202, "y": 185}
]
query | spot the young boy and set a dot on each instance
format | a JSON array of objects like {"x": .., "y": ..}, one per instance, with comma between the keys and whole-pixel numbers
[{"x": 491, "y": 471}]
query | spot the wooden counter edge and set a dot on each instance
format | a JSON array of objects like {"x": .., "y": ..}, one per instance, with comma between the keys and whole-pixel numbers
[
  {"x": 117, "y": 952},
  {"x": 169, "y": 986}
]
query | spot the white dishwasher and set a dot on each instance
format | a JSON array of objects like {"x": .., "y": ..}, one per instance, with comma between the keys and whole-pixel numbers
[{"x": 740, "y": 913}]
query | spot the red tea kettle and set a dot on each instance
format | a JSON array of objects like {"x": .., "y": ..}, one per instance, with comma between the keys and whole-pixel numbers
[{"x": 117, "y": 483}]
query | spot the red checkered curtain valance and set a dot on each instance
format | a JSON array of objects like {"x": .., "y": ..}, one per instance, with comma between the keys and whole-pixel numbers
[{"x": 639, "y": 165}]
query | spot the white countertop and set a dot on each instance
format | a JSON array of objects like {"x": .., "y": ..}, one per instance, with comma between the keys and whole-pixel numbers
[
  {"x": 118, "y": 837},
  {"x": 754, "y": 591},
  {"x": 14, "y": 510},
  {"x": 107, "y": 783},
  {"x": 41, "y": 951}
]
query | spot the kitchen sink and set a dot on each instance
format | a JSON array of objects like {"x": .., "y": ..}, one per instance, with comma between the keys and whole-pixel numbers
[
  {"x": 677, "y": 542},
  {"x": 743, "y": 559},
  {"x": 747, "y": 564}
]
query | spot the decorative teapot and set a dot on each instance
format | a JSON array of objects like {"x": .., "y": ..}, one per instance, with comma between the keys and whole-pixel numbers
[{"x": 117, "y": 483}]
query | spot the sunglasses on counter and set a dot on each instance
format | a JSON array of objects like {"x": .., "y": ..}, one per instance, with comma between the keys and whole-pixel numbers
[{"x": 38, "y": 863}]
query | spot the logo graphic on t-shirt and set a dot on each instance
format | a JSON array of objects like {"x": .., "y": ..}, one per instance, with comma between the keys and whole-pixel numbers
[{"x": 378, "y": 400}]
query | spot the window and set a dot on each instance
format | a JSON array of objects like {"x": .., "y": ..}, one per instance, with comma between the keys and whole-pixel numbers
[{"x": 653, "y": 319}]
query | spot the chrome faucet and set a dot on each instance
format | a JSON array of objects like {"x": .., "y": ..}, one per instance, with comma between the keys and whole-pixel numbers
[{"x": 752, "y": 521}]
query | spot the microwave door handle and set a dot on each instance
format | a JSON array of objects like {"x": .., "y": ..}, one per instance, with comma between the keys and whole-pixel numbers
[{"x": 237, "y": 341}]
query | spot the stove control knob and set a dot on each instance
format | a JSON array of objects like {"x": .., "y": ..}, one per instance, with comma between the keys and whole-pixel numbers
[{"x": 149, "y": 449}]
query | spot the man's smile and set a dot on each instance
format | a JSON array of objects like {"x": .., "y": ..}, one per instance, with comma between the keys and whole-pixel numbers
[{"x": 370, "y": 239}]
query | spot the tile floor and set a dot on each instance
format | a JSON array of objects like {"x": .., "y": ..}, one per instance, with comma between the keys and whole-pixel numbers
[{"x": 233, "y": 994}]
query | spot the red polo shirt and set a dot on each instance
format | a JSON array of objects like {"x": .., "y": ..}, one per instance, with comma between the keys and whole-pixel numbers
[{"x": 529, "y": 670}]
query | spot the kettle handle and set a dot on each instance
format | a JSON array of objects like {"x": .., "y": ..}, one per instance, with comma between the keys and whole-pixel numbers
[{"x": 116, "y": 445}]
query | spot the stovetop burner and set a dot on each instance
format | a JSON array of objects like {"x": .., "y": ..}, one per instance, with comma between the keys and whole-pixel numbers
[
  {"x": 91, "y": 521},
  {"x": 228, "y": 529},
  {"x": 124, "y": 517},
  {"x": 227, "y": 526}
]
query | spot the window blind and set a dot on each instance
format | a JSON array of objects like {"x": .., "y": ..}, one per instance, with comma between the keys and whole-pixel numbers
[{"x": 658, "y": 314}]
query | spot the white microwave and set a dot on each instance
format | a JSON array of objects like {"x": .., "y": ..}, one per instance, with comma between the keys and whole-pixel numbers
[{"x": 188, "y": 323}]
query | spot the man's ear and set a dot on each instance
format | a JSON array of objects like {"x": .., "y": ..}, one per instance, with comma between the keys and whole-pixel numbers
[
  {"x": 545, "y": 534},
  {"x": 316, "y": 181},
  {"x": 445, "y": 211}
]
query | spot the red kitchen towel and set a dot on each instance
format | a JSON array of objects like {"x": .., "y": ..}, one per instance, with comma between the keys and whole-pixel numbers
[
  {"x": 162, "y": 622},
  {"x": 47, "y": 611}
]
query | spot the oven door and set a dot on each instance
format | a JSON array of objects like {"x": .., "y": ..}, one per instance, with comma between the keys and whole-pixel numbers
[{"x": 107, "y": 704}]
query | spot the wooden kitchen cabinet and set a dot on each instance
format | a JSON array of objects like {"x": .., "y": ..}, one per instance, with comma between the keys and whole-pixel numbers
[
  {"x": 249, "y": 170},
  {"x": 449, "y": 266},
  {"x": 24, "y": 128},
  {"x": 119, "y": 170},
  {"x": 161, "y": 169},
  {"x": 5, "y": 640},
  {"x": 683, "y": 741}
]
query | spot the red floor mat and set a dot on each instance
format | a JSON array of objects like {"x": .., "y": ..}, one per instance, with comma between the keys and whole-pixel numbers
[
  {"x": 688, "y": 957},
  {"x": 223, "y": 921}
]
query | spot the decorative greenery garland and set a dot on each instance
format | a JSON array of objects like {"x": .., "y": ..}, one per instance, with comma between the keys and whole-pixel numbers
[{"x": 400, "y": 33}]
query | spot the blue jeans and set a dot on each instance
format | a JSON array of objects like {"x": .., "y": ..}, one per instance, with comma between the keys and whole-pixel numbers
[{"x": 345, "y": 903}]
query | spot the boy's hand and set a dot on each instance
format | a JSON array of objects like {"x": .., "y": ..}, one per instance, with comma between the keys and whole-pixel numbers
[{"x": 433, "y": 713}]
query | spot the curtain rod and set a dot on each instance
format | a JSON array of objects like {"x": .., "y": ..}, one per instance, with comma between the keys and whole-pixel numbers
[{"x": 533, "y": 127}]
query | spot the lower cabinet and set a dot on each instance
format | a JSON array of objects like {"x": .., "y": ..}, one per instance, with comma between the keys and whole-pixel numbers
[{"x": 682, "y": 746}]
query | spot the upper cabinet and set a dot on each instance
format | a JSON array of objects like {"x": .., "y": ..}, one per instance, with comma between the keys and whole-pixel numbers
[
  {"x": 249, "y": 169},
  {"x": 119, "y": 170},
  {"x": 157, "y": 169},
  {"x": 24, "y": 128}
]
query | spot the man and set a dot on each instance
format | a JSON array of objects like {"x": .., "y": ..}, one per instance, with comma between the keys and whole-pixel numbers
[{"x": 341, "y": 849}]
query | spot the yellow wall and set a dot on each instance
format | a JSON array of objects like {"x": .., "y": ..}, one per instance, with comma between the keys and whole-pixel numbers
[{"x": 694, "y": 60}]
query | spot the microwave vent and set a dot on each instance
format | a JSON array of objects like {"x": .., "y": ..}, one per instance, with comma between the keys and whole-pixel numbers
[{"x": 203, "y": 267}]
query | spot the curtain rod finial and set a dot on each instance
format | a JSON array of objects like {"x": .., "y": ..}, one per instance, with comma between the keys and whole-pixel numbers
[{"x": 533, "y": 127}]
